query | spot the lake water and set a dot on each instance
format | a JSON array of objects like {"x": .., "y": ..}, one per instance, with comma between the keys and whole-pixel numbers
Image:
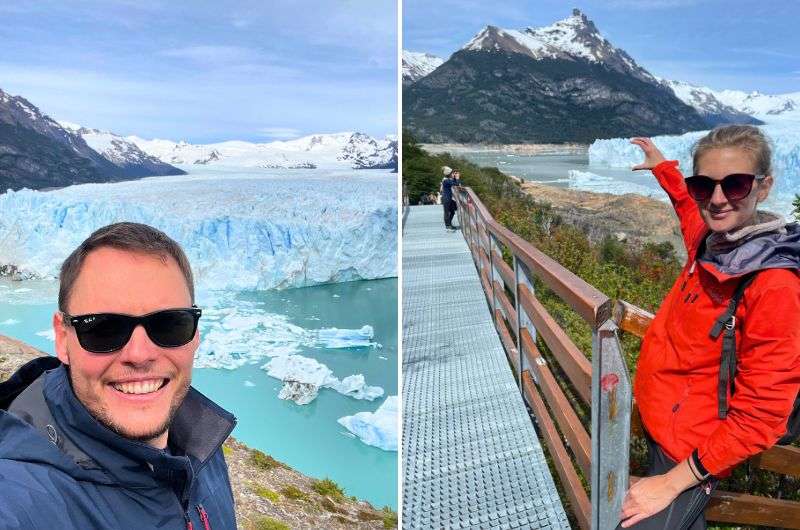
[{"x": 307, "y": 437}]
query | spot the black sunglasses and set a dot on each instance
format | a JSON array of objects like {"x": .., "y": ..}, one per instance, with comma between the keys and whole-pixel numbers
[
  {"x": 109, "y": 332},
  {"x": 735, "y": 187}
]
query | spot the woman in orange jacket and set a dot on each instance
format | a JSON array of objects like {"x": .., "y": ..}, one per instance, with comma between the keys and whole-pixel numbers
[{"x": 699, "y": 425}]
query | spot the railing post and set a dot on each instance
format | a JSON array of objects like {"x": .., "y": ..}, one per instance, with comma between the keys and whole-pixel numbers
[
  {"x": 611, "y": 419},
  {"x": 492, "y": 245},
  {"x": 521, "y": 277}
]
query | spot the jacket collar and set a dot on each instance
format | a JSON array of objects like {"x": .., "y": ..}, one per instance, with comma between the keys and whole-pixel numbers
[
  {"x": 197, "y": 431},
  {"x": 777, "y": 249}
]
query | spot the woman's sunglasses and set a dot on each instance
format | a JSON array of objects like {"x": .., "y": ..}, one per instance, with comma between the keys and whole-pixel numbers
[
  {"x": 735, "y": 187},
  {"x": 109, "y": 332}
]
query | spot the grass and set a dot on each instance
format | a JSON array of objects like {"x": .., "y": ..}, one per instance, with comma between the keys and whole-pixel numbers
[
  {"x": 265, "y": 493},
  {"x": 294, "y": 493},
  {"x": 328, "y": 488},
  {"x": 227, "y": 451},
  {"x": 264, "y": 461},
  {"x": 269, "y": 523},
  {"x": 331, "y": 506}
]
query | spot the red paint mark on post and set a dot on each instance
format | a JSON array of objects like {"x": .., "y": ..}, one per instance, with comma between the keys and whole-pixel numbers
[{"x": 608, "y": 382}]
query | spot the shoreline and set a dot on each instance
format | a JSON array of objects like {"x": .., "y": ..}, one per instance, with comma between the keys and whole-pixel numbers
[{"x": 520, "y": 149}]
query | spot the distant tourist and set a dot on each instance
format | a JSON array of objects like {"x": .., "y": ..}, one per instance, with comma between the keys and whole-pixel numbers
[
  {"x": 110, "y": 434},
  {"x": 452, "y": 178},
  {"x": 719, "y": 369}
]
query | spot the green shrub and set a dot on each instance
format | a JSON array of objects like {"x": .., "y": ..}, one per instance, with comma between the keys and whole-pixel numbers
[
  {"x": 264, "y": 461},
  {"x": 389, "y": 517},
  {"x": 294, "y": 493},
  {"x": 227, "y": 451},
  {"x": 331, "y": 506},
  {"x": 328, "y": 488},
  {"x": 796, "y": 205},
  {"x": 265, "y": 493}
]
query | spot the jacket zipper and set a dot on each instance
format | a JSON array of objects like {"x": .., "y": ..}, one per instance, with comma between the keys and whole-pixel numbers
[{"x": 203, "y": 517}]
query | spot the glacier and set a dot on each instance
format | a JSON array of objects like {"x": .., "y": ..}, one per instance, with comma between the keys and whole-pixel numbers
[
  {"x": 378, "y": 428},
  {"x": 784, "y": 134},
  {"x": 242, "y": 228}
]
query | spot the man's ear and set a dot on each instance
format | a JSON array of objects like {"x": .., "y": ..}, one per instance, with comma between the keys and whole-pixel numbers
[{"x": 60, "y": 331}]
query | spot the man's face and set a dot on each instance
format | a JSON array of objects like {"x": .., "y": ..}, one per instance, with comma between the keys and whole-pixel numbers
[{"x": 136, "y": 390}]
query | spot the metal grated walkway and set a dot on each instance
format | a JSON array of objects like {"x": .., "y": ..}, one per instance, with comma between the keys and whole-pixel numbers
[{"x": 471, "y": 458}]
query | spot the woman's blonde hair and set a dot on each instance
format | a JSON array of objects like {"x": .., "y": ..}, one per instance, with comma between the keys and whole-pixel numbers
[{"x": 747, "y": 137}]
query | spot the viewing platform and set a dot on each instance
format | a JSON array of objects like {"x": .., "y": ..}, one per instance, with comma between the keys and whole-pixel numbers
[{"x": 471, "y": 456}]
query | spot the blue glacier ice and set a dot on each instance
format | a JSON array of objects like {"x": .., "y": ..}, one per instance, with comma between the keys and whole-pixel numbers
[
  {"x": 377, "y": 428},
  {"x": 784, "y": 134},
  {"x": 241, "y": 228}
]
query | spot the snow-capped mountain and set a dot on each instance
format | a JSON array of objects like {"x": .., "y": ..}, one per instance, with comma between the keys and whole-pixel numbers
[
  {"x": 122, "y": 153},
  {"x": 355, "y": 150},
  {"x": 38, "y": 153},
  {"x": 417, "y": 65},
  {"x": 365, "y": 152},
  {"x": 575, "y": 37},
  {"x": 764, "y": 106},
  {"x": 561, "y": 83},
  {"x": 706, "y": 102},
  {"x": 42, "y": 153}
]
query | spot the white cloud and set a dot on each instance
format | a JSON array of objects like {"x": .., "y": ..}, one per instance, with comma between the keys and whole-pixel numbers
[{"x": 279, "y": 133}]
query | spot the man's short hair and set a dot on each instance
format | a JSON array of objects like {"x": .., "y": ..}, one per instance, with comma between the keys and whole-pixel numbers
[{"x": 134, "y": 237}]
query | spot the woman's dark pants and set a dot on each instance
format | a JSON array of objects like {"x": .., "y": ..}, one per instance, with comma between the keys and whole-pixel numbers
[{"x": 686, "y": 511}]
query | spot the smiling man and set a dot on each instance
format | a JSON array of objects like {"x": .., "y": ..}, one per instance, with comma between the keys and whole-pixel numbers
[{"x": 111, "y": 434}]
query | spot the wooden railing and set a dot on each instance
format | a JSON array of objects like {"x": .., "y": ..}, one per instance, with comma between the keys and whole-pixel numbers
[{"x": 558, "y": 386}]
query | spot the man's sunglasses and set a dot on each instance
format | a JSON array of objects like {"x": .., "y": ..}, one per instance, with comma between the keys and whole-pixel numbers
[
  {"x": 735, "y": 187},
  {"x": 109, "y": 332}
]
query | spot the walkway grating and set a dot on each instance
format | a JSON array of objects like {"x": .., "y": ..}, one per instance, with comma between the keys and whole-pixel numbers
[{"x": 471, "y": 458}]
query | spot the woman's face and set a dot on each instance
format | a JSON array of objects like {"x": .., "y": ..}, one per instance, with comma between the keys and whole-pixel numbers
[{"x": 720, "y": 214}]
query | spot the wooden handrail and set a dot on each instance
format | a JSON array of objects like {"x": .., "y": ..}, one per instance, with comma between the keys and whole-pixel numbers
[
  {"x": 554, "y": 412},
  {"x": 591, "y": 304}
]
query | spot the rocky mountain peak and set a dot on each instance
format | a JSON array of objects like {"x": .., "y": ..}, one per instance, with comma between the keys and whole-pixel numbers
[{"x": 575, "y": 38}]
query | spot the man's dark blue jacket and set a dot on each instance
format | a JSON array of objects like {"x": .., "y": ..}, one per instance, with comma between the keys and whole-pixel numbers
[{"x": 61, "y": 468}]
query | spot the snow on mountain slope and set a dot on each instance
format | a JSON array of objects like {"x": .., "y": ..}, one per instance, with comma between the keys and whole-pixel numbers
[
  {"x": 764, "y": 106},
  {"x": 706, "y": 102},
  {"x": 319, "y": 150},
  {"x": 575, "y": 37},
  {"x": 247, "y": 234},
  {"x": 417, "y": 65},
  {"x": 121, "y": 152}
]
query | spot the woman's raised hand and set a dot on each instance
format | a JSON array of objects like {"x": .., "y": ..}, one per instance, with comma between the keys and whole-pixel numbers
[{"x": 652, "y": 156}]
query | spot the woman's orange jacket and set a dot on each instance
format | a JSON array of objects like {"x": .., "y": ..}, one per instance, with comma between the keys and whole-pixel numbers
[{"x": 678, "y": 369}]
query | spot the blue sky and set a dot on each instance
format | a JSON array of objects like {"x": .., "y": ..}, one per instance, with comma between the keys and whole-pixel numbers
[
  {"x": 206, "y": 71},
  {"x": 733, "y": 44}
]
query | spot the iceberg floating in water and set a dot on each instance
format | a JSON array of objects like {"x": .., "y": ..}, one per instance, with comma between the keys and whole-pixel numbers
[
  {"x": 588, "y": 181},
  {"x": 345, "y": 338},
  {"x": 377, "y": 428},
  {"x": 303, "y": 377},
  {"x": 237, "y": 226}
]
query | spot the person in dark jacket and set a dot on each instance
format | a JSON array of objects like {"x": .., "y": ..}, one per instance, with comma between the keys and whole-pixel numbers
[
  {"x": 452, "y": 178},
  {"x": 110, "y": 434}
]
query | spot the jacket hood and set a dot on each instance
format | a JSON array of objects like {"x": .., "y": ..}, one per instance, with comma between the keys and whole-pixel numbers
[
  {"x": 46, "y": 423},
  {"x": 777, "y": 249}
]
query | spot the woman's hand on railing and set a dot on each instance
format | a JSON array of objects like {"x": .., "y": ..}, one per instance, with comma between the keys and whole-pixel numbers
[
  {"x": 650, "y": 495},
  {"x": 652, "y": 156}
]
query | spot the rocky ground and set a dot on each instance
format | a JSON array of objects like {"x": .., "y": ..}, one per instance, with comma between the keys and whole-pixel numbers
[
  {"x": 269, "y": 495},
  {"x": 628, "y": 217}
]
